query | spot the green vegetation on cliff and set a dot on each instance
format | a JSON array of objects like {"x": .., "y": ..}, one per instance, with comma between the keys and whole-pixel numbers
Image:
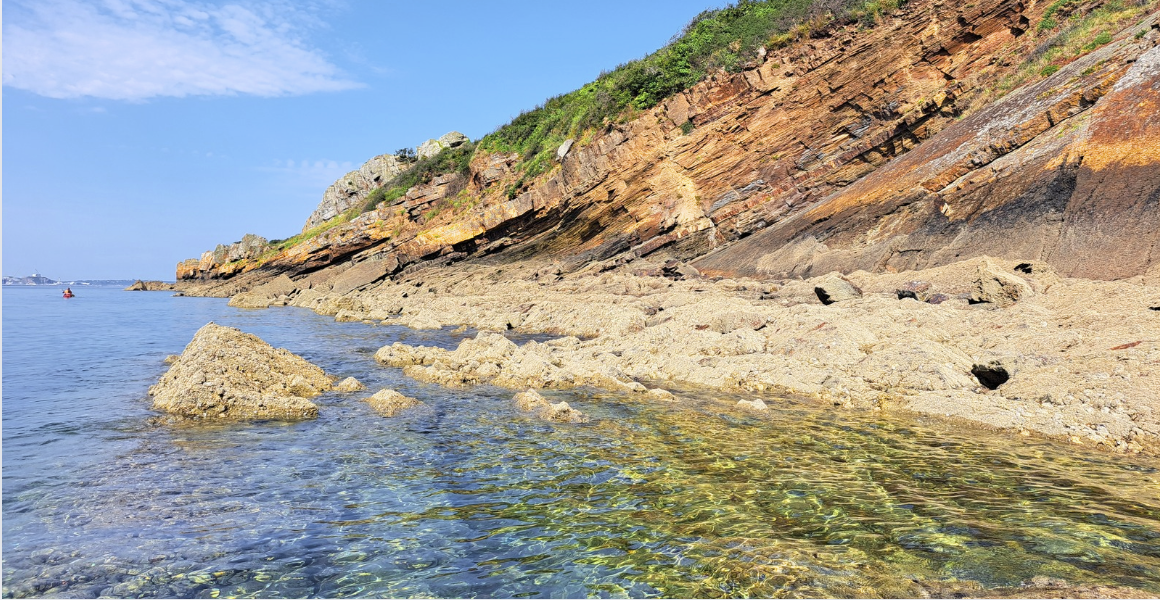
[
  {"x": 1069, "y": 30},
  {"x": 724, "y": 38},
  {"x": 721, "y": 39},
  {"x": 448, "y": 160}
]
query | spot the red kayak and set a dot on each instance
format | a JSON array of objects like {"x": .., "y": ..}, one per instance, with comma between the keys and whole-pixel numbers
[{"x": 69, "y": 295}]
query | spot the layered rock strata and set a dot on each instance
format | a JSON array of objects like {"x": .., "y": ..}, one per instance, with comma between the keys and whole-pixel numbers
[
  {"x": 689, "y": 243},
  {"x": 801, "y": 165},
  {"x": 225, "y": 259}
]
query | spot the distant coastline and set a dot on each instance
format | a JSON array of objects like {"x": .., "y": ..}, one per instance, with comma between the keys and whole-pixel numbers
[{"x": 37, "y": 280}]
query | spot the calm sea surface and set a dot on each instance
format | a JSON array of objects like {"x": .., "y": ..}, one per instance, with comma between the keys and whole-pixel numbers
[{"x": 469, "y": 497}]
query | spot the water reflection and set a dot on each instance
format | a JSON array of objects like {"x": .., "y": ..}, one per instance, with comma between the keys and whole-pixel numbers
[{"x": 473, "y": 498}]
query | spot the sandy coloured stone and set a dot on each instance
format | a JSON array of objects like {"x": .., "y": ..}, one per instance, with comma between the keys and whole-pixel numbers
[
  {"x": 561, "y": 412},
  {"x": 388, "y": 402},
  {"x": 994, "y": 286},
  {"x": 755, "y": 405},
  {"x": 227, "y": 375},
  {"x": 662, "y": 395},
  {"x": 350, "y": 384}
]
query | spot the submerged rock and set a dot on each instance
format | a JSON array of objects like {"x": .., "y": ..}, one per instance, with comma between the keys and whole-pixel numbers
[
  {"x": 225, "y": 374},
  {"x": 662, "y": 395},
  {"x": 755, "y": 405},
  {"x": 532, "y": 401},
  {"x": 388, "y": 402}
]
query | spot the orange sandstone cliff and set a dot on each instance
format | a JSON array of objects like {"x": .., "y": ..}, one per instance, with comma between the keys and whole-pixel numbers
[{"x": 919, "y": 142}]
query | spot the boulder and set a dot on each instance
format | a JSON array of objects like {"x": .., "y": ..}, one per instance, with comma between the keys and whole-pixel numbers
[
  {"x": 266, "y": 294},
  {"x": 755, "y": 405},
  {"x": 678, "y": 270},
  {"x": 937, "y": 298},
  {"x": 1039, "y": 274},
  {"x": 993, "y": 285},
  {"x": 227, "y": 375},
  {"x": 388, "y": 402},
  {"x": 915, "y": 290},
  {"x": 430, "y": 148},
  {"x": 532, "y": 401},
  {"x": 350, "y": 384},
  {"x": 835, "y": 288},
  {"x": 662, "y": 395},
  {"x": 562, "y": 151}
]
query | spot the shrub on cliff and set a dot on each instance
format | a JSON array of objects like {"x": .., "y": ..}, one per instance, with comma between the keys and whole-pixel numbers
[
  {"x": 724, "y": 38},
  {"x": 423, "y": 170}
]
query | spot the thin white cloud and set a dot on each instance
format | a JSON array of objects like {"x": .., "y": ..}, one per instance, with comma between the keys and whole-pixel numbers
[
  {"x": 139, "y": 49},
  {"x": 311, "y": 174}
]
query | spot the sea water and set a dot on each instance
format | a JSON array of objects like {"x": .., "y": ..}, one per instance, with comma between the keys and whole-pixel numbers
[{"x": 469, "y": 497}]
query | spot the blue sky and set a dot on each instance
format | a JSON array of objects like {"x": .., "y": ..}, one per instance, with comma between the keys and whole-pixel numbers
[{"x": 138, "y": 133}]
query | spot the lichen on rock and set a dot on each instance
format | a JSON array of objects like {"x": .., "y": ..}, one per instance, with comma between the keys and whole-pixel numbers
[{"x": 227, "y": 375}]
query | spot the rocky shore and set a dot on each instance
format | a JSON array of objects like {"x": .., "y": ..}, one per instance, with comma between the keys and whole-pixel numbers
[
  {"x": 1004, "y": 343},
  {"x": 795, "y": 228}
]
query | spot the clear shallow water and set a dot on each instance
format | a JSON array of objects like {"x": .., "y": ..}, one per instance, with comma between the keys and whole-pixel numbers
[{"x": 469, "y": 497}]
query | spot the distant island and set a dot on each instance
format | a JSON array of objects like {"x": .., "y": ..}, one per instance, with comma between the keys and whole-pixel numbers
[{"x": 38, "y": 279}]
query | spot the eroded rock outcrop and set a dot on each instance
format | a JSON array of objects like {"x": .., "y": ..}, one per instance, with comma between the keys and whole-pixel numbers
[
  {"x": 150, "y": 286},
  {"x": 430, "y": 148},
  {"x": 227, "y": 375},
  {"x": 353, "y": 188}
]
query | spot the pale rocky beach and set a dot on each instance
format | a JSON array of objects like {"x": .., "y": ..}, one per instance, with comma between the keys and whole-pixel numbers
[{"x": 993, "y": 342}]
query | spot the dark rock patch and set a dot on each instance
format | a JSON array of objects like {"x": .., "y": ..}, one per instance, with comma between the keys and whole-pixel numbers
[{"x": 991, "y": 375}]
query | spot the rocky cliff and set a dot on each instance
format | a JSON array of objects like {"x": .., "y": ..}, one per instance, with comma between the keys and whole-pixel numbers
[
  {"x": 352, "y": 189},
  {"x": 942, "y": 133}
]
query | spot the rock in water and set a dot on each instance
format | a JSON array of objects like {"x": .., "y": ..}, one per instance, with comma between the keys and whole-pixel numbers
[
  {"x": 388, "y": 402},
  {"x": 350, "y": 384},
  {"x": 834, "y": 288},
  {"x": 755, "y": 405},
  {"x": 532, "y": 401},
  {"x": 529, "y": 401},
  {"x": 227, "y": 375}
]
